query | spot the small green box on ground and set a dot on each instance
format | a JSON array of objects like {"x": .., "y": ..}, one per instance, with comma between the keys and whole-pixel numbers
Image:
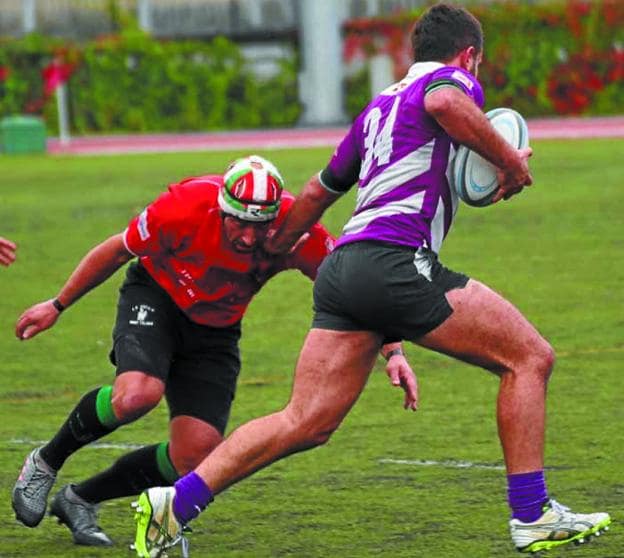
[{"x": 22, "y": 134}]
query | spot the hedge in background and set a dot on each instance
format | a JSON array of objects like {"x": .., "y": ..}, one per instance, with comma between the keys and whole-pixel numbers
[
  {"x": 564, "y": 57},
  {"x": 132, "y": 82},
  {"x": 557, "y": 57}
]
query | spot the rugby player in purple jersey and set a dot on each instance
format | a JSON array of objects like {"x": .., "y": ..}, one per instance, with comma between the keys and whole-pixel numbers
[{"x": 384, "y": 282}]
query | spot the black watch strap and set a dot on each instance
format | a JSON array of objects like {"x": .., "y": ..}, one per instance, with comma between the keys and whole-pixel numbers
[{"x": 393, "y": 352}]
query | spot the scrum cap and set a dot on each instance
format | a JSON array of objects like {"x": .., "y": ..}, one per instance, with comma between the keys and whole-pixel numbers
[{"x": 252, "y": 189}]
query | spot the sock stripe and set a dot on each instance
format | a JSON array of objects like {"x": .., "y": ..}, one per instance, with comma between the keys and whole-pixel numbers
[
  {"x": 104, "y": 407},
  {"x": 165, "y": 466}
]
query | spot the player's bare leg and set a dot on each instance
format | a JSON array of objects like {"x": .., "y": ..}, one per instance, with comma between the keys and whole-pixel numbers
[
  {"x": 134, "y": 394},
  {"x": 192, "y": 440},
  {"x": 486, "y": 330},
  {"x": 332, "y": 370}
]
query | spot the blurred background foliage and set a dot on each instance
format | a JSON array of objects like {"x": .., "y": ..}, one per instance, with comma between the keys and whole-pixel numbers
[
  {"x": 562, "y": 57},
  {"x": 132, "y": 82}
]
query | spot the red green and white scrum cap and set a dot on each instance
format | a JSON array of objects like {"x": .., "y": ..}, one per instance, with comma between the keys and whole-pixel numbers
[{"x": 252, "y": 189}]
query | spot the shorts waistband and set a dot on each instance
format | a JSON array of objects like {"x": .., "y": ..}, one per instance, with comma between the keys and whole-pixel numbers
[{"x": 388, "y": 245}]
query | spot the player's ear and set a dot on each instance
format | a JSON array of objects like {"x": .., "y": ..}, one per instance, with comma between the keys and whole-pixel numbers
[{"x": 467, "y": 58}]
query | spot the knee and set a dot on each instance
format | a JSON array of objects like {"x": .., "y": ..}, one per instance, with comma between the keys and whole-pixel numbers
[
  {"x": 542, "y": 359},
  {"x": 309, "y": 430},
  {"x": 547, "y": 359},
  {"x": 191, "y": 441},
  {"x": 133, "y": 399}
]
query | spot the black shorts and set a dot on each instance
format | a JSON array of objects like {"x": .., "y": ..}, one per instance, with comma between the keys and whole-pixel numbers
[
  {"x": 199, "y": 364},
  {"x": 396, "y": 291}
]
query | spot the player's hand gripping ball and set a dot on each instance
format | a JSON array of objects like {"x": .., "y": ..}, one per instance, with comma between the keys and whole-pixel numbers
[{"x": 475, "y": 179}]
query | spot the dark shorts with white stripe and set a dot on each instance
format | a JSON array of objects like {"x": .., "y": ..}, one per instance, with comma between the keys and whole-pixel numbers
[
  {"x": 198, "y": 364},
  {"x": 398, "y": 292}
]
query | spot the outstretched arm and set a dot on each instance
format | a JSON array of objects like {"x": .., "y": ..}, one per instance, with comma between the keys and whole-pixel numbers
[
  {"x": 401, "y": 374},
  {"x": 7, "y": 251},
  {"x": 97, "y": 266}
]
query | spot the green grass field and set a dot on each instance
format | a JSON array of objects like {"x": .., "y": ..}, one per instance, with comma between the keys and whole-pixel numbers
[{"x": 556, "y": 251}]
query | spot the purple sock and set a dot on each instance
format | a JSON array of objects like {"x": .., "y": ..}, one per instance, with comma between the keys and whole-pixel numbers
[
  {"x": 527, "y": 495},
  {"x": 191, "y": 497}
]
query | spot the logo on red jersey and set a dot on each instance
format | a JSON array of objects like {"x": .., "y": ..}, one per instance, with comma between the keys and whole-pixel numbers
[{"x": 142, "y": 226}]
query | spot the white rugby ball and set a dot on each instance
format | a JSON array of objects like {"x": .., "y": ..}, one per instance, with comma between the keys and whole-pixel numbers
[{"x": 475, "y": 179}]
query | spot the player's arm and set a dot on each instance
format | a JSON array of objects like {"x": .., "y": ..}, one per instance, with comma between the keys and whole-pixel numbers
[
  {"x": 464, "y": 121},
  {"x": 401, "y": 374},
  {"x": 305, "y": 211},
  {"x": 7, "y": 251},
  {"x": 97, "y": 266},
  {"x": 318, "y": 194}
]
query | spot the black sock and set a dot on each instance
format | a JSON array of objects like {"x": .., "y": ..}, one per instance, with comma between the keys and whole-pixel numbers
[
  {"x": 90, "y": 420},
  {"x": 130, "y": 475}
]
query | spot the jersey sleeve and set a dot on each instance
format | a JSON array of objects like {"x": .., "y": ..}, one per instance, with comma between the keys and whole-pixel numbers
[
  {"x": 343, "y": 169},
  {"x": 310, "y": 255},
  {"x": 451, "y": 76},
  {"x": 156, "y": 229}
]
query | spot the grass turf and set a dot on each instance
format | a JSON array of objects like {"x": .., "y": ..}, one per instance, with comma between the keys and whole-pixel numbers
[{"x": 556, "y": 251}]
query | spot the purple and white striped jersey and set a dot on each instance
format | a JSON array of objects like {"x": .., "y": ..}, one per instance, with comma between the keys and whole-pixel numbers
[{"x": 400, "y": 156}]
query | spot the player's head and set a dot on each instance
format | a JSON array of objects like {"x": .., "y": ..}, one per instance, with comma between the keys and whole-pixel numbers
[
  {"x": 443, "y": 32},
  {"x": 252, "y": 190},
  {"x": 249, "y": 200}
]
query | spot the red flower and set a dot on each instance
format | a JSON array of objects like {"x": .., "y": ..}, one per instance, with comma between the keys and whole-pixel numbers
[
  {"x": 573, "y": 84},
  {"x": 615, "y": 72},
  {"x": 5, "y": 72},
  {"x": 55, "y": 74}
]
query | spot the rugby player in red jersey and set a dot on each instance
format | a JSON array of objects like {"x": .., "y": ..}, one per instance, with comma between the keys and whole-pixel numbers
[{"x": 199, "y": 264}]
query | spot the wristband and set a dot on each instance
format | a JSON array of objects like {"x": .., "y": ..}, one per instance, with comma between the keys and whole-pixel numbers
[
  {"x": 58, "y": 305},
  {"x": 393, "y": 352}
]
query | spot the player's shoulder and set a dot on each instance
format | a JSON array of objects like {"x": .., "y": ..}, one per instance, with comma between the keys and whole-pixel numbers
[
  {"x": 456, "y": 75},
  {"x": 197, "y": 190},
  {"x": 186, "y": 203},
  {"x": 196, "y": 185}
]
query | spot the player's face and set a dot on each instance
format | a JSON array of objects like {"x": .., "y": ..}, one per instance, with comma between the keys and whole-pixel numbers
[{"x": 245, "y": 236}]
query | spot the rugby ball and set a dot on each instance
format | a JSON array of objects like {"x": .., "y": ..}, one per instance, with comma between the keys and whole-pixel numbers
[{"x": 472, "y": 177}]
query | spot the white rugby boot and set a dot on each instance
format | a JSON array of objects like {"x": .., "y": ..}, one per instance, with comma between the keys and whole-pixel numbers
[{"x": 558, "y": 525}]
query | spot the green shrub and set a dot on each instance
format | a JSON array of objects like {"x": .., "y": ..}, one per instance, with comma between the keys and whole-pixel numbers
[{"x": 135, "y": 83}]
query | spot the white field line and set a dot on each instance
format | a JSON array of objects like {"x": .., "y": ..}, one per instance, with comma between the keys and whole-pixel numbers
[
  {"x": 94, "y": 445},
  {"x": 448, "y": 463}
]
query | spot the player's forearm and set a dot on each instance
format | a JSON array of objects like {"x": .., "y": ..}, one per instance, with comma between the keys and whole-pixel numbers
[
  {"x": 467, "y": 124},
  {"x": 97, "y": 266},
  {"x": 307, "y": 210}
]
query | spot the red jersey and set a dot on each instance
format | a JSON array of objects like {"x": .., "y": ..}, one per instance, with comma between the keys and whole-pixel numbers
[{"x": 179, "y": 239}]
